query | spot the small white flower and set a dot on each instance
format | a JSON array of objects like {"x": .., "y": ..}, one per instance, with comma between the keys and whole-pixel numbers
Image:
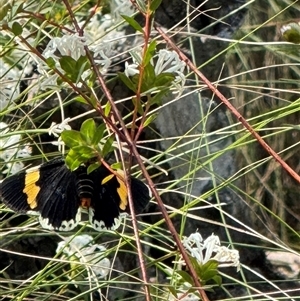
[
  {"x": 228, "y": 257},
  {"x": 166, "y": 62},
  {"x": 10, "y": 150},
  {"x": 131, "y": 69},
  {"x": 60, "y": 145},
  {"x": 9, "y": 83},
  {"x": 210, "y": 248},
  {"x": 121, "y": 7},
  {"x": 56, "y": 129},
  {"x": 67, "y": 45},
  {"x": 211, "y": 244},
  {"x": 85, "y": 251},
  {"x": 169, "y": 61}
]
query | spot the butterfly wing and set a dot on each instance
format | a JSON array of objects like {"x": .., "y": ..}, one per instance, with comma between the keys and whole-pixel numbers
[
  {"x": 110, "y": 200},
  {"x": 49, "y": 190},
  {"x": 141, "y": 195}
]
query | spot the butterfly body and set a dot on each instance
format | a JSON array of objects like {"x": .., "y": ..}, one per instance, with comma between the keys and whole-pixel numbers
[{"x": 58, "y": 195}]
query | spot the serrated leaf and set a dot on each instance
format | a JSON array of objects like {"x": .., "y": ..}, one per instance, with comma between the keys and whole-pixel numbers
[
  {"x": 107, "y": 147},
  {"x": 150, "y": 119},
  {"x": 129, "y": 84},
  {"x": 98, "y": 135},
  {"x": 72, "y": 138},
  {"x": 133, "y": 23},
  {"x": 87, "y": 130},
  {"x": 154, "y": 5},
  {"x": 93, "y": 167}
]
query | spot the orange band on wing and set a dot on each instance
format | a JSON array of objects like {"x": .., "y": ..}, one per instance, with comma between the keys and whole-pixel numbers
[{"x": 31, "y": 189}]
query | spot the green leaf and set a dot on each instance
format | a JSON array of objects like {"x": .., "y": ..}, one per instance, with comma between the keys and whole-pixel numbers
[
  {"x": 157, "y": 98},
  {"x": 217, "y": 279},
  {"x": 133, "y": 23},
  {"x": 150, "y": 119},
  {"x": 116, "y": 166},
  {"x": 73, "y": 160},
  {"x": 208, "y": 270},
  {"x": 85, "y": 151},
  {"x": 107, "y": 109},
  {"x": 50, "y": 62},
  {"x": 73, "y": 69},
  {"x": 185, "y": 276},
  {"x": 72, "y": 138},
  {"x": 150, "y": 52},
  {"x": 149, "y": 78},
  {"x": 98, "y": 135},
  {"x": 154, "y": 5},
  {"x": 80, "y": 99},
  {"x": 164, "y": 79},
  {"x": 93, "y": 167},
  {"x": 107, "y": 147},
  {"x": 129, "y": 84},
  {"x": 17, "y": 29},
  {"x": 68, "y": 64},
  {"x": 208, "y": 275},
  {"x": 87, "y": 130},
  {"x": 82, "y": 64},
  {"x": 76, "y": 164},
  {"x": 138, "y": 105}
]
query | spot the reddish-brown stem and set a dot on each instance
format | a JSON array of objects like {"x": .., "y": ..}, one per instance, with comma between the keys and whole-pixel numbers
[
  {"x": 229, "y": 106},
  {"x": 146, "y": 35}
]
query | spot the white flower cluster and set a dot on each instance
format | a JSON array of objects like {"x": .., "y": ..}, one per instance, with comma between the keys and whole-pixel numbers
[
  {"x": 210, "y": 248},
  {"x": 71, "y": 45},
  {"x": 9, "y": 83},
  {"x": 86, "y": 252},
  {"x": 166, "y": 62},
  {"x": 10, "y": 149}
]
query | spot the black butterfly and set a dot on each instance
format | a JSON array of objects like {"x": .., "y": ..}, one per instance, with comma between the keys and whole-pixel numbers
[{"x": 58, "y": 194}]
